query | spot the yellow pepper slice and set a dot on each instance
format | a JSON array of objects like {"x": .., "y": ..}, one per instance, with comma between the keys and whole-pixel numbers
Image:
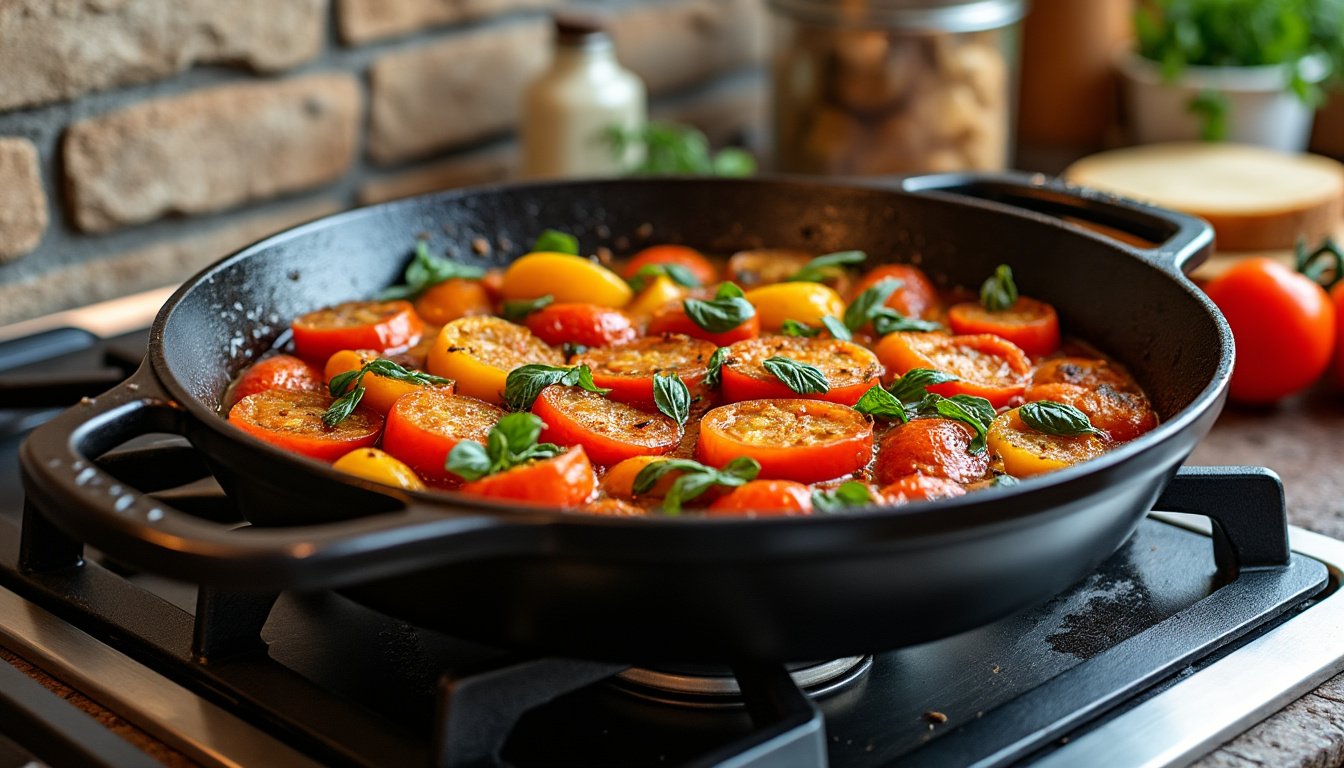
[
  {"x": 380, "y": 467},
  {"x": 568, "y": 278},
  {"x": 1026, "y": 452},
  {"x": 803, "y": 302},
  {"x": 478, "y": 352}
]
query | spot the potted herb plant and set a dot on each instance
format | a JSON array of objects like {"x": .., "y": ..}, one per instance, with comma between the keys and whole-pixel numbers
[{"x": 1242, "y": 70}]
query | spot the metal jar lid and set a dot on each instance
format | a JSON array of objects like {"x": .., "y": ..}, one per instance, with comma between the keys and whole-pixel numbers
[{"x": 913, "y": 15}]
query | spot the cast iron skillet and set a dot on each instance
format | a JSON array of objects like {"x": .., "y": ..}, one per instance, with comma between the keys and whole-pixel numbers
[{"x": 677, "y": 589}]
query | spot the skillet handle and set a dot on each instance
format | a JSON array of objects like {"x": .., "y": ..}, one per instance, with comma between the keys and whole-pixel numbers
[
  {"x": 1247, "y": 508},
  {"x": 69, "y": 497},
  {"x": 1175, "y": 241}
]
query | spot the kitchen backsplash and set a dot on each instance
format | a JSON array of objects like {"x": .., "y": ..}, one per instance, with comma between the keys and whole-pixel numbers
[{"x": 143, "y": 139}]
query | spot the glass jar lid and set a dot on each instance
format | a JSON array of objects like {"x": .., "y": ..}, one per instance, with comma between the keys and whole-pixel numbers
[{"x": 914, "y": 15}]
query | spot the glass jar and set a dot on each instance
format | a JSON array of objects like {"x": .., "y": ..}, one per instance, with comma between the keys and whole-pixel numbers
[{"x": 866, "y": 87}]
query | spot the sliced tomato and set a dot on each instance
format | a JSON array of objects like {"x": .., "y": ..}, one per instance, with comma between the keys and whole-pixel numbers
[
  {"x": 920, "y": 488},
  {"x": 274, "y": 372},
  {"x": 380, "y": 467},
  {"x": 619, "y": 480},
  {"x": 1030, "y": 324},
  {"x": 586, "y": 324},
  {"x": 609, "y": 431},
  {"x": 934, "y": 447},
  {"x": 612, "y": 507},
  {"x": 566, "y": 480},
  {"x": 850, "y": 369},
  {"x": 1086, "y": 372},
  {"x": 693, "y": 260},
  {"x": 988, "y": 366},
  {"x": 292, "y": 420},
  {"x": 759, "y": 498},
  {"x": 1026, "y": 452},
  {"x": 628, "y": 370},
  {"x": 1122, "y": 415},
  {"x": 424, "y": 425},
  {"x": 764, "y": 266},
  {"x": 478, "y": 352},
  {"x": 380, "y": 392},
  {"x": 915, "y": 298},
  {"x": 451, "y": 299},
  {"x": 383, "y": 326},
  {"x": 673, "y": 319},
  {"x": 803, "y": 440}
]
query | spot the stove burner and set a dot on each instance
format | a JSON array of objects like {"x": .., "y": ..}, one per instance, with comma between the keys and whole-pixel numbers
[{"x": 710, "y": 687}]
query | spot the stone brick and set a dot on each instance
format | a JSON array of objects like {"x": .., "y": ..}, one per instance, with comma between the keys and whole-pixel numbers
[
  {"x": 23, "y": 204},
  {"x": 484, "y": 167},
  {"x": 453, "y": 92},
  {"x": 153, "y": 266},
  {"x": 210, "y": 149},
  {"x": 673, "y": 45},
  {"x": 56, "y": 49},
  {"x": 361, "y": 21}
]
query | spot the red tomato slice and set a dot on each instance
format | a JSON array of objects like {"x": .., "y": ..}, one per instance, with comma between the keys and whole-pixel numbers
[
  {"x": 935, "y": 447},
  {"x": 691, "y": 259},
  {"x": 988, "y": 366},
  {"x": 566, "y": 480},
  {"x": 275, "y": 372},
  {"x": 1083, "y": 371},
  {"x": 920, "y": 488},
  {"x": 609, "y": 431},
  {"x": 673, "y": 319},
  {"x": 451, "y": 299},
  {"x": 382, "y": 326},
  {"x": 1122, "y": 415},
  {"x": 763, "y": 266},
  {"x": 586, "y": 324},
  {"x": 292, "y": 420},
  {"x": 849, "y": 368},
  {"x": 423, "y": 427},
  {"x": 760, "y": 498},
  {"x": 628, "y": 370},
  {"x": 803, "y": 440},
  {"x": 915, "y": 298},
  {"x": 1030, "y": 324}
]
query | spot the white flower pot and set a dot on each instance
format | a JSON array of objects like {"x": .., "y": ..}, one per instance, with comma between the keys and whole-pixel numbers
[{"x": 1262, "y": 108}]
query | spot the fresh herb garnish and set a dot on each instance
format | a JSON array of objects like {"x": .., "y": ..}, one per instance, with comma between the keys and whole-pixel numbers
[
  {"x": 902, "y": 401},
  {"x": 825, "y": 267},
  {"x": 880, "y": 403},
  {"x": 1004, "y": 481},
  {"x": 525, "y": 383},
  {"x": 555, "y": 241},
  {"x": 912, "y": 386},
  {"x": 715, "y": 373},
  {"x": 661, "y": 148},
  {"x": 727, "y": 311},
  {"x": 999, "y": 293},
  {"x": 672, "y": 397},
  {"x": 975, "y": 412},
  {"x": 888, "y": 320},
  {"x": 696, "y": 478},
  {"x": 861, "y": 311},
  {"x": 427, "y": 270},
  {"x": 845, "y": 496},
  {"x": 570, "y": 349},
  {"x": 348, "y": 387},
  {"x": 517, "y": 310},
  {"x": 795, "y": 328},
  {"x": 675, "y": 272},
  {"x": 1051, "y": 418},
  {"x": 837, "y": 328},
  {"x": 800, "y": 377},
  {"x": 511, "y": 442}
]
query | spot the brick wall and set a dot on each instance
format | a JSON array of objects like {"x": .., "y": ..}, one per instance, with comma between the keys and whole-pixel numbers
[{"x": 143, "y": 139}]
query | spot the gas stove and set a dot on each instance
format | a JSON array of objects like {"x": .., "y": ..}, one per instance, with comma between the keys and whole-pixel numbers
[{"x": 1185, "y": 637}]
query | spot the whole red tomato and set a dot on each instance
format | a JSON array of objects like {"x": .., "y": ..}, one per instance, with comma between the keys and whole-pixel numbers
[
  {"x": 1283, "y": 324},
  {"x": 1337, "y": 298}
]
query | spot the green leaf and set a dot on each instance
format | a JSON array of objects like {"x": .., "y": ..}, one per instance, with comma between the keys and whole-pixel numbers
[
  {"x": 427, "y": 270},
  {"x": 732, "y": 161},
  {"x": 957, "y": 410},
  {"x": 570, "y": 349},
  {"x": 795, "y": 328},
  {"x": 1004, "y": 481},
  {"x": 696, "y": 478},
  {"x": 912, "y": 386},
  {"x": 827, "y": 266},
  {"x": 390, "y": 370},
  {"x": 468, "y": 460},
  {"x": 743, "y": 468},
  {"x": 978, "y": 407},
  {"x": 1213, "y": 110},
  {"x": 715, "y": 373},
  {"x": 517, "y": 310},
  {"x": 526, "y": 382},
  {"x": 880, "y": 403},
  {"x": 675, "y": 272},
  {"x": 519, "y": 429},
  {"x": 837, "y": 328},
  {"x": 342, "y": 382},
  {"x": 511, "y": 443},
  {"x": 348, "y": 387},
  {"x": 555, "y": 241},
  {"x": 654, "y": 471},
  {"x": 887, "y": 320},
  {"x": 866, "y": 306},
  {"x": 727, "y": 311},
  {"x": 1051, "y": 418},
  {"x": 342, "y": 407},
  {"x": 800, "y": 377},
  {"x": 999, "y": 293},
  {"x": 672, "y": 397},
  {"x": 846, "y": 496}
]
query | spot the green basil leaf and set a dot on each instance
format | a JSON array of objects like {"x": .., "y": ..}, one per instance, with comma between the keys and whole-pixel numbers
[
  {"x": 675, "y": 272},
  {"x": 846, "y": 496},
  {"x": 911, "y": 387},
  {"x": 526, "y": 382},
  {"x": 824, "y": 267},
  {"x": 715, "y": 373},
  {"x": 800, "y": 377},
  {"x": 391, "y": 370},
  {"x": 999, "y": 292},
  {"x": 880, "y": 403},
  {"x": 427, "y": 270},
  {"x": 516, "y": 311},
  {"x": 349, "y": 386},
  {"x": 541, "y": 451},
  {"x": 743, "y": 468},
  {"x": 727, "y": 311},
  {"x": 570, "y": 349},
  {"x": 978, "y": 407},
  {"x": 342, "y": 407},
  {"x": 837, "y": 328},
  {"x": 947, "y": 408},
  {"x": 795, "y": 328},
  {"x": 685, "y": 488},
  {"x": 1004, "y": 480},
  {"x": 342, "y": 382},
  {"x": 887, "y": 320},
  {"x": 520, "y": 430},
  {"x": 555, "y": 241},
  {"x": 468, "y": 460},
  {"x": 654, "y": 471},
  {"x": 672, "y": 397},
  {"x": 867, "y": 304},
  {"x": 1051, "y": 418}
]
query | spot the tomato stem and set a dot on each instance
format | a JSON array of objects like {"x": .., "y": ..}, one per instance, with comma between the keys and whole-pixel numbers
[{"x": 1327, "y": 259}]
